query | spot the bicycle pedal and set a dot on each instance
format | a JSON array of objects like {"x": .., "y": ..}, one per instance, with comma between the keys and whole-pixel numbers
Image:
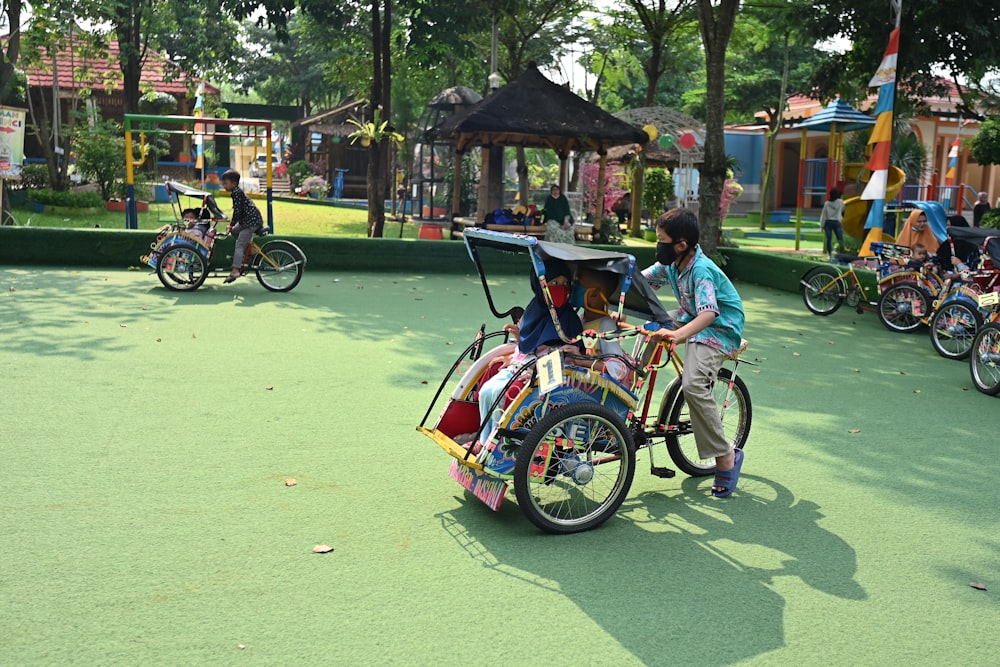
[{"x": 665, "y": 473}]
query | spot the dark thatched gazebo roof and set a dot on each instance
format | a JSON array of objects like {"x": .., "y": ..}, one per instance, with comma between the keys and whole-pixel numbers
[{"x": 534, "y": 112}]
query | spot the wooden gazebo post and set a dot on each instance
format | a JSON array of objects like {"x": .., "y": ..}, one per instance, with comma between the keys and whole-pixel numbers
[
  {"x": 602, "y": 166},
  {"x": 456, "y": 186}
]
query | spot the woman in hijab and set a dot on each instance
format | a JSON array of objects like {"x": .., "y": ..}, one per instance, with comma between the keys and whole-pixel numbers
[{"x": 916, "y": 230}]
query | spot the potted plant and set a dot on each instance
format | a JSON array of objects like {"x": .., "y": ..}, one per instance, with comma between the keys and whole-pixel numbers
[
  {"x": 314, "y": 186},
  {"x": 373, "y": 131}
]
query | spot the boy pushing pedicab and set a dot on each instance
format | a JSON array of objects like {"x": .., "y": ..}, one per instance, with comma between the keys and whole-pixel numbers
[{"x": 711, "y": 318}]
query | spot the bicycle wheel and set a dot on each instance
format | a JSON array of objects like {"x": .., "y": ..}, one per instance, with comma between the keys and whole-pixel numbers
[
  {"x": 279, "y": 266},
  {"x": 823, "y": 290},
  {"x": 574, "y": 468},
  {"x": 984, "y": 363},
  {"x": 953, "y": 327},
  {"x": 181, "y": 269},
  {"x": 734, "y": 407},
  {"x": 902, "y": 307}
]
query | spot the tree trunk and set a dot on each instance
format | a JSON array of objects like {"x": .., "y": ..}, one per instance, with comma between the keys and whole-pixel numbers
[
  {"x": 381, "y": 99},
  {"x": 716, "y": 27},
  {"x": 128, "y": 30},
  {"x": 13, "y": 54}
]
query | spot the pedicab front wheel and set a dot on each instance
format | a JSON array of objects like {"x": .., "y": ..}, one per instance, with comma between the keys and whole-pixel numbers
[
  {"x": 574, "y": 468},
  {"x": 952, "y": 329},
  {"x": 984, "y": 363},
  {"x": 901, "y": 307},
  {"x": 181, "y": 269}
]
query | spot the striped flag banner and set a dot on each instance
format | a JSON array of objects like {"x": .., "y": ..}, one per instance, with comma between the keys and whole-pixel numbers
[{"x": 881, "y": 136}]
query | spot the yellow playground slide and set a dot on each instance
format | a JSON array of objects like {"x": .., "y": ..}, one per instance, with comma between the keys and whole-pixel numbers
[{"x": 856, "y": 210}]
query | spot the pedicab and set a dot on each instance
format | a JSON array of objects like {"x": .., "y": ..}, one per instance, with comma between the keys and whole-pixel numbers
[
  {"x": 903, "y": 296},
  {"x": 182, "y": 253},
  {"x": 957, "y": 314},
  {"x": 568, "y": 425}
]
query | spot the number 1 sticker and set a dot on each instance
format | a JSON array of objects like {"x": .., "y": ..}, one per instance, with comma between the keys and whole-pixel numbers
[{"x": 550, "y": 373}]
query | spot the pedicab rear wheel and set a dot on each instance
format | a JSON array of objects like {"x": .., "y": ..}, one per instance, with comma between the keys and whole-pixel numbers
[
  {"x": 984, "y": 364},
  {"x": 574, "y": 468},
  {"x": 280, "y": 265},
  {"x": 736, "y": 412},
  {"x": 901, "y": 307},
  {"x": 181, "y": 269},
  {"x": 952, "y": 329},
  {"x": 823, "y": 290}
]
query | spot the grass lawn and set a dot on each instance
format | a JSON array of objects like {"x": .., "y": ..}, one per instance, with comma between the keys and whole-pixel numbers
[
  {"x": 313, "y": 219},
  {"x": 290, "y": 217}
]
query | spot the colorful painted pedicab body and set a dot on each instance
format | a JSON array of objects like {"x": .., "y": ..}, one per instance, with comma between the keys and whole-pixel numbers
[
  {"x": 182, "y": 254},
  {"x": 957, "y": 314},
  {"x": 568, "y": 425}
]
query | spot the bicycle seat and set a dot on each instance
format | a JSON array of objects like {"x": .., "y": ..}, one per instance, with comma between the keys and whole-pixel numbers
[
  {"x": 843, "y": 258},
  {"x": 261, "y": 231}
]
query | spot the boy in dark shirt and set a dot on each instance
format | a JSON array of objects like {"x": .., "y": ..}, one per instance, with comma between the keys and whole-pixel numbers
[{"x": 245, "y": 222}]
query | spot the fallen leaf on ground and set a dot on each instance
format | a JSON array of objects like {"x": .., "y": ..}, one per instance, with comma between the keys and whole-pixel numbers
[
  {"x": 978, "y": 586},
  {"x": 796, "y": 354},
  {"x": 902, "y": 372},
  {"x": 123, "y": 326},
  {"x": 269, "y": 387},
  {"x": 854, "y": 430},
  {"x": 322, "y": 549},
  {"x": 291, "y": 482},
  {"x": 916, "y": 391},
  {"x": 423, "y": 382}
]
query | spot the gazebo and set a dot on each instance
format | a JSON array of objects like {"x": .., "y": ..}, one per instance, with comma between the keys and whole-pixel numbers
[
  {"x": 681, "y": 144},
  {"x": 425, "y": 174},
  {"x": 532, "y": 112}
]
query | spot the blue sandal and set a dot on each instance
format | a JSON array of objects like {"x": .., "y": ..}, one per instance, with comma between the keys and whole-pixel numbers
[{"x": 728, "y": 479}]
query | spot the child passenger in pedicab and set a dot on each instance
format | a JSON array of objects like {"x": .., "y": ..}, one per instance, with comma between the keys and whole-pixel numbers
[{"x": 536, "y": 336}]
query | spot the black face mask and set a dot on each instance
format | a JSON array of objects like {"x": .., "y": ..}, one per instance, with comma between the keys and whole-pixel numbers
[{"x": 665, "y": 253}]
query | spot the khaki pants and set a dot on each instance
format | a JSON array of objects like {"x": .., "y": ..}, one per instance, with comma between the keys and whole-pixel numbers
[{"x": 701, "y": 368}]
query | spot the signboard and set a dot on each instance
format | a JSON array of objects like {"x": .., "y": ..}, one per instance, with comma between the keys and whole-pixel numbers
[{"x": 11, "y": 142}]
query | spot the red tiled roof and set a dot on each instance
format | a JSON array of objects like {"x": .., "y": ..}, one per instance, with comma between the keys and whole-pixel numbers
[{"x": 105, "y": 73}]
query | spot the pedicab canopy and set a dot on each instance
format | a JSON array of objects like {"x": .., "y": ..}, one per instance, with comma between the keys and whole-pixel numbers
[
  {"x": 979, "y": 236},
  {"x": 640, "y": 299}
]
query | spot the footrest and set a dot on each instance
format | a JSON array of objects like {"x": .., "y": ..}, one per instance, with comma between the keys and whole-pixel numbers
[
  {"x": 452, "y": 447},
  {"x": 666, "y": 473}
]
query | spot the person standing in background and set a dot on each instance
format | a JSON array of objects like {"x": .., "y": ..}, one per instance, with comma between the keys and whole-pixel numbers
[{"x": 832, "y": 219}]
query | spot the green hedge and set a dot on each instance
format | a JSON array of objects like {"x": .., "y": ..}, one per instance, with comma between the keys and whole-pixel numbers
[{"x": 66, "y": 199}]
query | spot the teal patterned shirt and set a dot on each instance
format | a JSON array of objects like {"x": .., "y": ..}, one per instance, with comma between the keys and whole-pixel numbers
[{"x": 700, "y": 287}]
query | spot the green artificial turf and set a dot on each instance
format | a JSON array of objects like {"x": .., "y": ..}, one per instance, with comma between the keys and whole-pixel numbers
[{"x": 147, "y": 436}]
